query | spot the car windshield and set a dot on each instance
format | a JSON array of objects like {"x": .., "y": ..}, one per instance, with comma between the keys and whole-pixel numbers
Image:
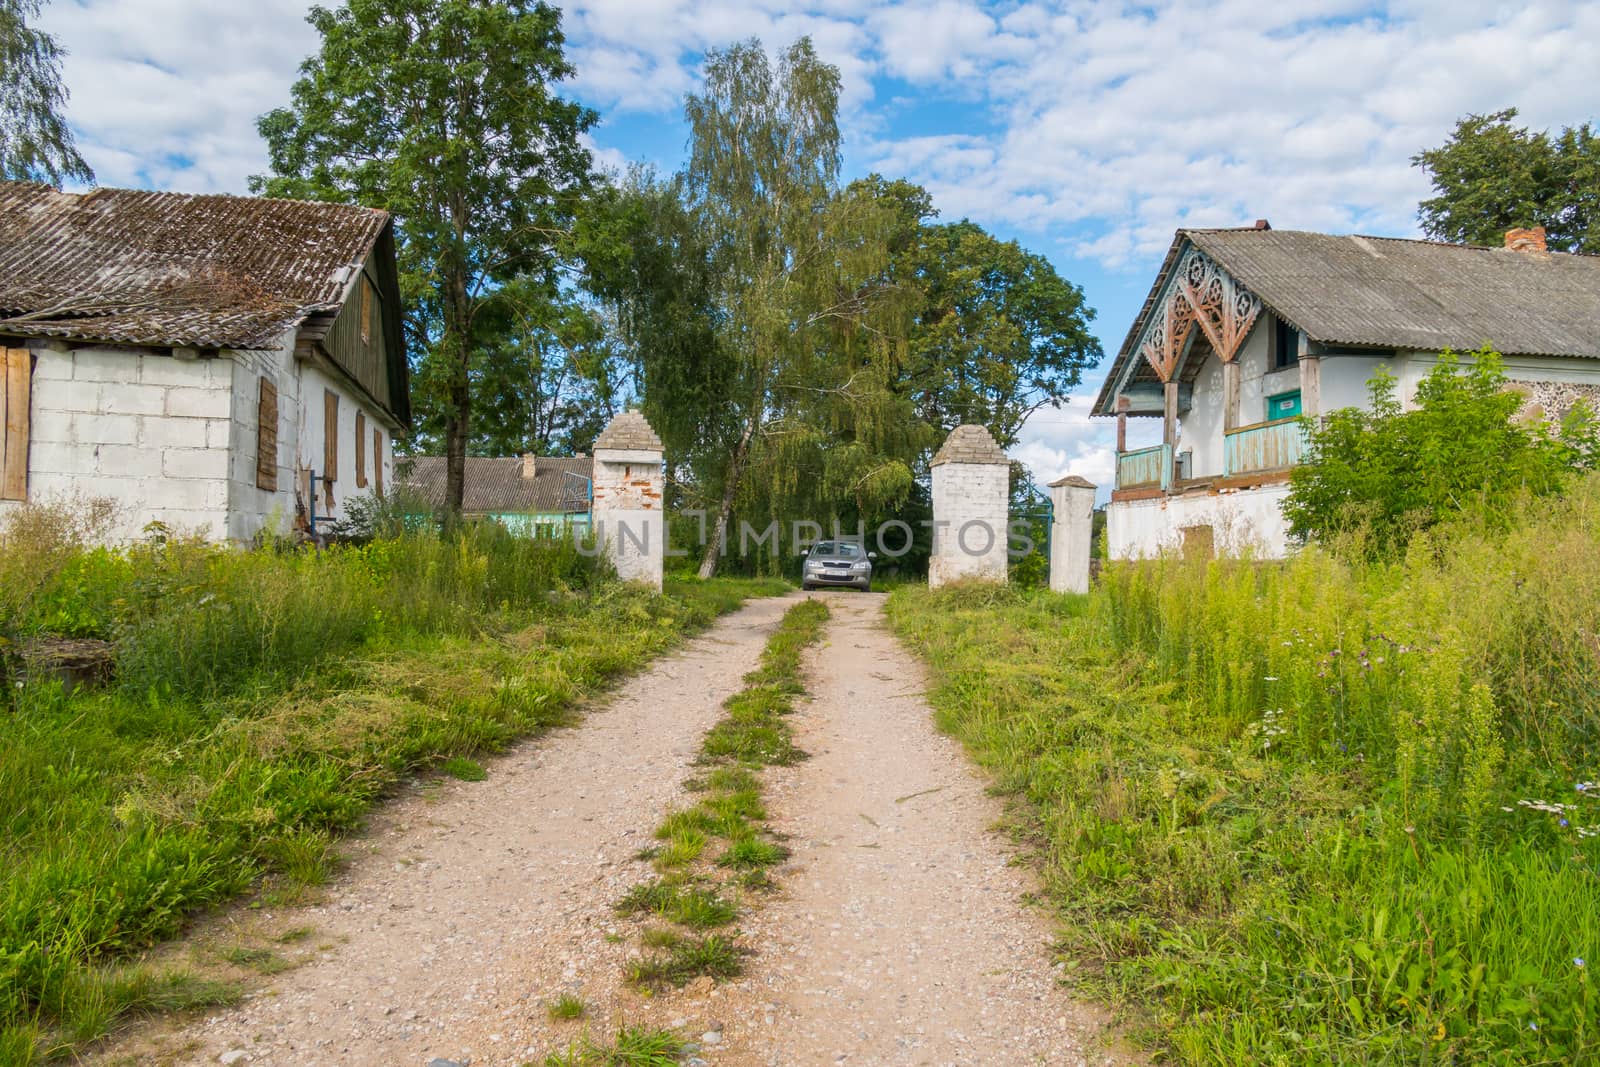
[{"x": 840, "y": 549}]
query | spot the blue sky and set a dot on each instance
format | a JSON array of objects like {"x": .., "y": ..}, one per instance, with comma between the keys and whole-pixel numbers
[{"x": 1087, "y": 131}]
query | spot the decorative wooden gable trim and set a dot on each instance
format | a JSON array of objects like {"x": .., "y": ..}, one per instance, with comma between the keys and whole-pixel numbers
[
  {"x": 267, "y": 437},
  {"x": 16, "y": 405},
  {"x": 1201, "y": 293}
]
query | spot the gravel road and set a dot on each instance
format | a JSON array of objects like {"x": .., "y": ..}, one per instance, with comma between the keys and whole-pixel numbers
[{"x": 898, "y": 938}]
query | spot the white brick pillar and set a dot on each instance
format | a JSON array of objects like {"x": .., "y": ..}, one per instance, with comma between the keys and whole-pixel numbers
[
  {"x": 1071, "y": 520},
  {"x": 971, "y": 483},
  {"x": 628, "y": 484}
]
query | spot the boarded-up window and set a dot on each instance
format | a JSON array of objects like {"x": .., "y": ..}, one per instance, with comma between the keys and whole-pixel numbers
[
  {"x": 377, "y": 461},
  {"x": 16, "y": 399},
  {"x": 267, "y": 437},
  {"x": 330, "y": 443},
  {"x": 366, "y": 310},
  {"x": 361, "y": 450}
]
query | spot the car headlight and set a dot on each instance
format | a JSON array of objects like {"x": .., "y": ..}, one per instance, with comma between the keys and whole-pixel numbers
[{"x": 862, "y": 567}]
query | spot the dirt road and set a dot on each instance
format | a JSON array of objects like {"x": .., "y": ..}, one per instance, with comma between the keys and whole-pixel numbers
[{"x": 898, "y": 936}]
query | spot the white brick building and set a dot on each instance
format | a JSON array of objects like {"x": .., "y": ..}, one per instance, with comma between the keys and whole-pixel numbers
[{"x": 216, "y": 364}]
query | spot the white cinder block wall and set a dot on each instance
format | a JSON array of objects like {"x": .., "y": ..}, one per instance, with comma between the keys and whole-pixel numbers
[
  {"x": 173, "y": 440},
  {"x": 1241, "y": 520},
  {"x": 969, "y": 513}
]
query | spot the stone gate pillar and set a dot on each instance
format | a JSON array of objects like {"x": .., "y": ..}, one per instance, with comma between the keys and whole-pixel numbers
[
  {"x": 628, "y": 484},
  {"x": 971, "y": 483},
  {"x": 1071, "y": 520}
]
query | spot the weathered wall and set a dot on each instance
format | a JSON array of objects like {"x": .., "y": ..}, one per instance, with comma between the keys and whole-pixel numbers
[
  {"x": 173, "y": 440},
  {"x": 1242, "y": 520},
  {"x": 969, "y": 514},
  {"x": 147, "y": 431},
  {"x": 628, "y": 516},
  {"x": 307, "y": 445}
]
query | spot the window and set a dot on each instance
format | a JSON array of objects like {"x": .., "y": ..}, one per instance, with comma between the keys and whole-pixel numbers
[
  {"x": 16, "y": 405},
  {"x": 361, "y": 450},
  {"x": 1285, "y": 344},
  {"x": 267, "y": 437}
]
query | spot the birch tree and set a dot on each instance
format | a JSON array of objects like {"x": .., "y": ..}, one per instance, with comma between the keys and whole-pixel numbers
[{"x": 36, "y": 144}]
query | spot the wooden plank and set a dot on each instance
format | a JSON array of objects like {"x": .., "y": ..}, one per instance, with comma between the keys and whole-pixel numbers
[
  {"x": 330, "y": 435},
  {"x": 267, "y": 437},
  {"x": 361, "y": 450},
  {"x": 18, "y": 390},
  {"x": 377, "y": 461},
  {"x": 5, "y": 389}
]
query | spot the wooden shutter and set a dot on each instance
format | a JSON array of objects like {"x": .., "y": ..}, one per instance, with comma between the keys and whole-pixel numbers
[
  {"x": 377, "y": 461},
  {"x": 16, "y": 384},
  {"x": 267, "y": 437},
  {"x": 330, "y": 444},
  {"x": 330, "y": 435},
  {"x": 361, "y": 450}
]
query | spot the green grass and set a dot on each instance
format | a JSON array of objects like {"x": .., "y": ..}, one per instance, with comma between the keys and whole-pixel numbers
[
  {"x": 260, "y": 960},
  {"x": 567, "y": 1006},
  {"x": 1309, "y": 813},
  {"x": 713, "y": 956},
  {"x": 752, "y": 734},
  {"x": 633, "y": 1047},
  {"x": 262, "y": 703},
  {"x": 464, "y": 769}
]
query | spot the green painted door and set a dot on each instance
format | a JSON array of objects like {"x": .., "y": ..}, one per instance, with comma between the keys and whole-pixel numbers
[{"x": 1283, "y": 406}]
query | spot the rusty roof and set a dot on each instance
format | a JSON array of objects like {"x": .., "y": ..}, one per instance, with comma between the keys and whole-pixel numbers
[
  {"x": 130, "y": 266},
  {"x": 495, "y": 486},
  {"x": 1394, "y": 293}
]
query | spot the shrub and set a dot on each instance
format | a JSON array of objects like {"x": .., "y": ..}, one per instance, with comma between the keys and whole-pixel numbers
[{"x": 1375, "y": 477}]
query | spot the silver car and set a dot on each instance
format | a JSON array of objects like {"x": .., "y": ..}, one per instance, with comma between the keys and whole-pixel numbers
[{"x": 832, "y": 563}]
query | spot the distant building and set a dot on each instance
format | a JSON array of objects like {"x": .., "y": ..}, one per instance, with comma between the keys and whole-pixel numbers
[
  {"x": 214, "y": 363},
  {"x": 1246, "y": 330},
  {"x": 529, "y": 495}
]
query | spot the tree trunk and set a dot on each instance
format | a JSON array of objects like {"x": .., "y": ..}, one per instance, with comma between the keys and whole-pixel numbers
[
  {"x": 457, "y": 343},
  {"x": 730, "y": 490}
]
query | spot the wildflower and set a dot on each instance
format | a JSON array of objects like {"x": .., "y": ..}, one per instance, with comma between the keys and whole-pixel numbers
[
  {"x": 1577, "y": 961},
  {"x": 1533, "y": 1026},
  {"x": 1438, "y": 1032},
  {"x": 1270, "y": 678},
  {"x": 1562, "y": 823}
]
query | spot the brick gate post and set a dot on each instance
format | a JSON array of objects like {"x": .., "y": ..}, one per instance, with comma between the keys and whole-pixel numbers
[
  {"x": 971, "y": 483},
  {"x": 628, "y": 504}
]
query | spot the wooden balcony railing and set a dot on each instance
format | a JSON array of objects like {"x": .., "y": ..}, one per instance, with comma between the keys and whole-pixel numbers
[
  {"x": 1265, "y": 446},
  {"x": 1145, "y": 468}
]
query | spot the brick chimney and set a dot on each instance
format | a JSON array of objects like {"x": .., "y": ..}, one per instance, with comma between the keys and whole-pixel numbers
[
  {"x": 530, "y": 463},
  {"x": 1531, "y": 240},
  {"x": 1262, "y": 224}
]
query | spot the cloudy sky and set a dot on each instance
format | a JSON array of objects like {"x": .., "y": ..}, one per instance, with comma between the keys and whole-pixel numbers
[{"x": 1088, "y": 131}]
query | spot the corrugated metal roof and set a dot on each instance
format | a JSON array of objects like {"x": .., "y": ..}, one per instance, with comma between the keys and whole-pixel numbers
[
  {"x": 172, "y": 269},
  {"x": 1391, "y": 293},
  {"x": 496, "y": 486}
]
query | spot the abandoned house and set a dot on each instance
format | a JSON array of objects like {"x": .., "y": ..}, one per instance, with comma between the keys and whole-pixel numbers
[
  {"x": 1246, "y": 330},
  {"x": 217, "y": 364},
  {"x": 534, "y": 496}
]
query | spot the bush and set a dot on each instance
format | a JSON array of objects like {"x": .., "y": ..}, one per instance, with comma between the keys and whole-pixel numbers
[{"x": 1375, "y": 477}]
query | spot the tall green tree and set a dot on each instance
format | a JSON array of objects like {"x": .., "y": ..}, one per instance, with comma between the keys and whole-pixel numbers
[
  {"x": 796, "y": 269},
  {"x": 36, "y": 144},
  {"x": 444, "y": 113},
  {"x": 1491, "y": 175}
]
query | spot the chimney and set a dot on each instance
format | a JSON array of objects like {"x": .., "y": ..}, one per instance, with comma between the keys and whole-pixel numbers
[
  {"x": 1263, "y": 224},
  {"x": 1530, "y": 240},
  {"x": 529, "y": 463}
]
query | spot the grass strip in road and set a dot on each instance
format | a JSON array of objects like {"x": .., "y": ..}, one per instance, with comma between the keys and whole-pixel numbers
[{"x": 713, "y": 853}]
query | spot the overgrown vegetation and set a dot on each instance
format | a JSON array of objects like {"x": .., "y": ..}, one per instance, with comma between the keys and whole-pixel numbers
[
  {"x": 1328, "y": 811},
  {"x": 692, "y": 890},
  {"x": 260, "y": 703},
  {"x": 1374, "y": 477}
]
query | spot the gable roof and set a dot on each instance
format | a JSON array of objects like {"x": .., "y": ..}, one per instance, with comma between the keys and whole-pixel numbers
[
  {"x": 1393, "y": 293},
  {"x": 129, "y": 266},
  {"x": 496, "y": 486}
]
